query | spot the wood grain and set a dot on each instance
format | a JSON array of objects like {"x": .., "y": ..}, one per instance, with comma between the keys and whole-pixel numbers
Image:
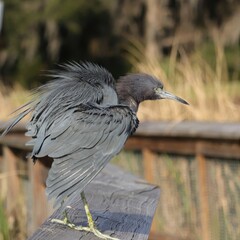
[
  {"x": 191, "y": 129},
  {"x": 121, "y": 204}
]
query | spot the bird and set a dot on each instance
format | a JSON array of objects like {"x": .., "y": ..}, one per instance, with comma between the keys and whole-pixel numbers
[{"x": 81, "y": 119}]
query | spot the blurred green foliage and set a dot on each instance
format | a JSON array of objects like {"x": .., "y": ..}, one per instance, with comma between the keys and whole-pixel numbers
[
  {"x": 207, "y": 50},
  {"x": 4, "y": 228},
  {"x": 37, "y": 34}
]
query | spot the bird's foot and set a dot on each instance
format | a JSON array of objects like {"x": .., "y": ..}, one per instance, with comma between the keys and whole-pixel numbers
[{"x": 91, "y": 227}]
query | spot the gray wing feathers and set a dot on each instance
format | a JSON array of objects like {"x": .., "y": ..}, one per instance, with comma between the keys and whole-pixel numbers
[
  {"x": 75, "y": 84},
  {"x": 80, "y": 154},
  {"x": 76, "y": 121}
]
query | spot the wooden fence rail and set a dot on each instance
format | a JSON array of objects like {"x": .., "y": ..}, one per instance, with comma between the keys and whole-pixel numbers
[{"x": 200, "y": 139}]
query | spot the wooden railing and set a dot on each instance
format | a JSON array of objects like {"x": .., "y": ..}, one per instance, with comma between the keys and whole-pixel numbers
[
  {"x": 204, "y": 140},
  {"x": 199, "y": 139}
]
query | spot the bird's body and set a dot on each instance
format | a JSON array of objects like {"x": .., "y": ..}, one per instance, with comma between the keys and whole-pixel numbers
[{"x": 82, "y": 119}]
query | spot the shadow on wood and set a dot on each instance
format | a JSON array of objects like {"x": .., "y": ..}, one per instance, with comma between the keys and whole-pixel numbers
[{"x": 122, "y": 206}]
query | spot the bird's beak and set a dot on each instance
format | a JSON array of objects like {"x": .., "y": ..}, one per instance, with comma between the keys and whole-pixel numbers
[{"x": 166, "y": 95}]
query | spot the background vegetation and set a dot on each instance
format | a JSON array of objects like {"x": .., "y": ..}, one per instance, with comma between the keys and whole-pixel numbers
[{"x": 193, "y": 46}]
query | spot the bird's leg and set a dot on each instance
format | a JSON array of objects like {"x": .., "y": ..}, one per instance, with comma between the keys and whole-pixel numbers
[
  {"x": 91, "y": 225},
  {"x": 87, "y": 211},
  {"x": 65, "y": 220},
  {"x": 65, "y": 215}
]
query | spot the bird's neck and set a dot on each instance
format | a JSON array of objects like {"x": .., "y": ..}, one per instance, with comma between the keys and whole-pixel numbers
[
  {"x": 130, "y": 91},
  {"x": 130, "y": 102}
]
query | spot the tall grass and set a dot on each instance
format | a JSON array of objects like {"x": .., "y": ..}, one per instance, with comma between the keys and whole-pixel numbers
[
  {"x": 4, "y": 227},
  {"x": 210, "y": 92},
  {"x": 206, "y": 86},
  {"x": 11, "y": 99}
]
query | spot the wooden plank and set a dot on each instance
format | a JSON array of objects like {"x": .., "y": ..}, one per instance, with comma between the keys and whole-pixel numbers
[
  {"x": 203, "y": 196},
  {"x": 14, "y": 199},
  {"x": 12, "y": 181},
  {"x": 17, "y": 140},
  {"x": 38, "y": 201},
  {"x": 210, "y": 139},
  {"x": 3, "y": 186},
  {"x": 191, "y": 129},
  {"x": 149, "y": 158},
  {"x": 186, "y": 129},
  {"x": 208, "y": 147},
  {"x": 148, "y": 164},
  {"x": 121, "y": 204},
  {"x": 186, "y": 146},
  {"x": 19, "y": 128}
]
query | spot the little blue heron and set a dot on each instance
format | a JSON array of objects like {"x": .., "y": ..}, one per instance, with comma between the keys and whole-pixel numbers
[{"x": 81, "y": 119}]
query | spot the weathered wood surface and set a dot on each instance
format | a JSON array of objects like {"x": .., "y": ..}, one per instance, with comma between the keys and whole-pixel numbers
[
  {"x": 220, "y": 140},
  {"x": 209, "y": 130},
  {"x": 16, "y": 140},
  {"x": 188, "y": 138},
  {"x": 186, "y": 146},
  {"x": 193, "y": 129},
  {"x": 121, "y": 204}
]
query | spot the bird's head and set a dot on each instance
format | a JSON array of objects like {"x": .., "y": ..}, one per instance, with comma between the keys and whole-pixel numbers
[{"x": 133, "y": 89}]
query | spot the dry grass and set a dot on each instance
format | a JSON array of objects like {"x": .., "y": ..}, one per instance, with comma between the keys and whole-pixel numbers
[
  {"x": 11, "y": 99},
  {"x": 211, "y": 95}
]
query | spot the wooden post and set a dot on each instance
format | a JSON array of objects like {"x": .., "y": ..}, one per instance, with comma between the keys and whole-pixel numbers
[
  {"x": 148, "y": 165},
  {"x": 3, "y": 189},
  {"x": 11, "y": 182},
  {"x": 203, "y": 192},
  {"x": 40, "y": 208}
]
